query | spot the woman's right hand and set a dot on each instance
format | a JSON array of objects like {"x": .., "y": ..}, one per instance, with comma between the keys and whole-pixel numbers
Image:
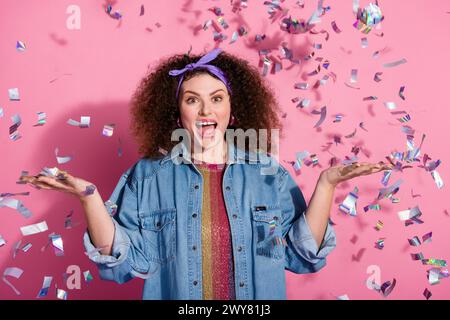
[{"x": 62, "y": 182}]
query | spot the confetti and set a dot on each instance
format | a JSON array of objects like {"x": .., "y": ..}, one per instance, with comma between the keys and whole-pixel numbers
[
  {"x": 388, "y": 192},
  {"x": 61, "y": 294},
  {"x": 395, "y": 63},
  {"x": 16, "y": 205},
  {"x": 349, "y": 204},
  {"x": 14, "y": 135},
  {"x": 88, "y": 276},
  {"x": 401, "y": 91},
  {"x": 89, "y": 190},
  {"x": 417, "y": 256},
  {"x": 435, "y": 262},
  {"x": 338, "y": 118},
  {"x": 364, "y": 43},
  {"x": 12, "y": 272},
  {"x": 379, "y": 225},
  {"x": 1, "y": 113},
  {"x": 16, "y": 248},
  {"x": 26, "y": 247},
  {"x": 115, "y": 15},
  {"x": 42, "y": 118},
  {"x": 45, "y": 286},
  {"x": 323, "y": 114},
  {"x": 34, "y": 228},
  {"x": 437, "y": 179},
  {"x": 62, "y": 160},
  {"x": 386, "y": 175},
  {"x": 379, "y": 244},
  {"x": 20, "y": 46},
  {"x": 2, "y": 241},
  {"x": 372, "y": 207},
  {"x": 13, "y": 94},
  {"x": 108, "y": 130},
  {"x": 57, "y": 244},
  {"x": 411, "y": 214},
  {"x": 377, "y": 75},
  {"x": 354, "y": 76},
  {"x": 427, "y": 237},
  {"x": 343, "y": 297},
  {"x": 390, "y": 105},
  {"x": 335, "y": 27},
  {"x": 414, "y": 241},
  {"x": 300, "y": 157},
  {"x": 84, "y": 122},
  {"x": 302, "y": 86},
  {"x": 427, "y": 294},
  {"x": 142, "y": 11}
]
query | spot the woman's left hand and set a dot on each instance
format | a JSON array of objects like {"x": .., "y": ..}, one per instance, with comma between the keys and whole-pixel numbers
[{"x": 339, "y": 173}]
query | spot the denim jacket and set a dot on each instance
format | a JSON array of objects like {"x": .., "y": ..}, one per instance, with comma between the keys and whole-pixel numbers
[{"x": 157, "y": 222}]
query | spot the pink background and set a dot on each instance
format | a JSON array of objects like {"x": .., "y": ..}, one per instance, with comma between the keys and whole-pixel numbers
[{"x": 106, "y": 60}]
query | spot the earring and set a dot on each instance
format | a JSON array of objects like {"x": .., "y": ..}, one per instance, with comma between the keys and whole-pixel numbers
[
  {"x": 232, "y": 121},
  {"x": 178, "y": 122}
]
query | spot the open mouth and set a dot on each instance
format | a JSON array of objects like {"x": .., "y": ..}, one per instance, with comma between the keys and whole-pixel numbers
[{"x": 206, "y": 129}]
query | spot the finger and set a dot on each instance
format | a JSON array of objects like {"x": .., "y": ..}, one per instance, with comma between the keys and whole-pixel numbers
[{"x": 55, "y": 184}]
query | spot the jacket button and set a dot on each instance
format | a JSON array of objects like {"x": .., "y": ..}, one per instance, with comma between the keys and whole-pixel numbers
[
  {"x": 228, "y": 188},
  {"x": 234, "y": 216},
  {"x": 196, "y": 186},
  {"x": 275, "y": 218},
  {"x": 239, "y": 249},
  {"x": 195, "y": 283},
  {"x": 241, "y": 284},
  {"x": 158, "y": 224},
  {"x": 194, "y": 248},
  {"x": 194, "y": 215}
]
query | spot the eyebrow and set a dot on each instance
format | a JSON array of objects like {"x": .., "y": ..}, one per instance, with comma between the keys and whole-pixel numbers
[{"x": 195, "y": 93}]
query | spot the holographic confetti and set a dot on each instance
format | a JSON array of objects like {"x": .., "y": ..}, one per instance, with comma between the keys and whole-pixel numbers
[
  {"x": 379, "y": 244},
  {"x": 300, "y": 157},
  {"x": 390, "y": 105},
  {"x": 108, "y": 130},
  {"x": 61, "y": 294},
  {"x": 377, "y": 75},
  {"x": 354, "y": 76},
  {"x": 335, "y": 27},
  {"x": 45, "y": 286},
  {"x": 84, "y": 122},
  {"x": 12, "y": 272},
  {"x": 57, "y": 243},
  {"x": 142, "y": 11},
  {"x": 364, "y": 43},
  {"x": 372, "y": 207},
  {"x": 417, "y": 256},
  {"x": 302, "y": 86},
  {"x": 26, "y": 247},
  {"x": 435, "y": 262},
  {"x": 34, "y": 228},
  {"x": 13, "y": 94},
  {"x": 323, "y": 114},
  {"x": 349, "y": 204},
  {"x": 42, "y": 118},
  {"x": 414, "y": 241},
  {"x": 379, "y": 225},
  {"x": 14, "y": 135},
  {"x": 401, "y": 91},
  {"x": 89, "y": 190},
  {"x": 386, "y": 175},
  {"x": 88, "y": 276},
  {"x": 2, "y": 241},
  {"x": 16, "y": 205},
  {"x": 61, "y": 160},
  {"x": 389, "y": 191},
  {"x": 20, "y": 46},
  {"x": 427, "y": 237},
  {"x": 395, "y": 63}
]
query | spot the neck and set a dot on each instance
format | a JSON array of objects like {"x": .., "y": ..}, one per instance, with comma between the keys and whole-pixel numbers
[{"x": 215, "y": 154}]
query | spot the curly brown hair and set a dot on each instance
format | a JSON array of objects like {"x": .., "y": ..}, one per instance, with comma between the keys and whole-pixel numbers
[{"x": 155, "y": 107}]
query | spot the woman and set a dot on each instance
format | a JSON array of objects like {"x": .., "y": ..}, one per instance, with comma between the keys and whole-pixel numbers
[{"x": 205, "y": 221}]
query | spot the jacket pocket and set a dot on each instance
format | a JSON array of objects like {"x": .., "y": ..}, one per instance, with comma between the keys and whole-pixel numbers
[
  {"x": 159, "y": 232},
  {"x": 267, "y": 233}
]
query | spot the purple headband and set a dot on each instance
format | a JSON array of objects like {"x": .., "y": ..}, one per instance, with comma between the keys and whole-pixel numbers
[{"x": 202, "y": 63}]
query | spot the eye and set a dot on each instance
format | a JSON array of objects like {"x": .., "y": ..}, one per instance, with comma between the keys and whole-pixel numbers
[
  {"x": 217, "y": 98},
  {"x": 190, "y": 100}
]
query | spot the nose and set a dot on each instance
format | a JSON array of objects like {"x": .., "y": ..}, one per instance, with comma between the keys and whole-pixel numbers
[{"x": 205, "y": 109}]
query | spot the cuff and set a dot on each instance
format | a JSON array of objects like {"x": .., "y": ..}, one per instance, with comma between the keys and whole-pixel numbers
[
  {"x": 120, "y": 248},
  {"x": 305, "y": 244}
]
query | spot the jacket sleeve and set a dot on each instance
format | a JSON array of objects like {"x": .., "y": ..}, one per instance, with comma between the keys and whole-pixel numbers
[
  {"x": 302, "y": 252},
  {"x": 127, "y": 259}
]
